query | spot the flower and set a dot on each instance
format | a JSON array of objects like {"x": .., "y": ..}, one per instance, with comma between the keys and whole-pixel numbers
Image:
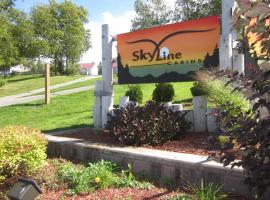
[{"x": 97, "y": 180}]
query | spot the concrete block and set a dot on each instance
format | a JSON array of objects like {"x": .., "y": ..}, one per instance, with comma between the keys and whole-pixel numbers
[
  {"x": 177, "y": 107},
  {"x": 199, "y": 111},
  {"x": 123, "y": 102},
  {"x": 141, "y": 166},
  {"x": 212, "y": 125}
]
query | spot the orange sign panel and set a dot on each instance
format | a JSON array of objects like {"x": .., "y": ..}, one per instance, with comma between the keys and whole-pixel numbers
[{"x": 170, "y": 52}]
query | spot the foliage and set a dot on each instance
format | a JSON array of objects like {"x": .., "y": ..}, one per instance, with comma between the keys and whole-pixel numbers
[
  {"x": 219, "y": 93},
  {"x": 102, "y": 174},
  {"x": 255, "y": 15},
  {"x": 250, "y": 130},
  {"x": 194, "y": 9},
  {"x": 61, "y": 32},
  {"x": 198, "y": 89},
  {"x": 180, "y": 197},
  {"x": 2, "y": 82},
  {"x": 155, "y": 12},
  {"x": 164, "y": 92},
  {"x": 16, "y": 35},
  {"x": 206, "y": 192},
  {"x": 135, "y": 93},
  {"x": 151, "y": 124},
  {"x": 22, "y": 151},
  {"x": 150, "y": 13},
  {"x": 73, "y": 69},
  {"x": 54, "y": 31}
]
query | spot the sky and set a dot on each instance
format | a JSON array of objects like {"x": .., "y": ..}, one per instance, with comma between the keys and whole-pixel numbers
[{"x": 117, "y": 13}]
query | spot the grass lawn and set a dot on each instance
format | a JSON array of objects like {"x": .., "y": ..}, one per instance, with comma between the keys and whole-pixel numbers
[
  {"x": 23, "y": 83},
  {"x": 72, "y": 111},
  {"x": 64, "y": 112}
]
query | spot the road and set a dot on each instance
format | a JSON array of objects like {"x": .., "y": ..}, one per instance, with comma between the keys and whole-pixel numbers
[{"x": 30, "y": 95}]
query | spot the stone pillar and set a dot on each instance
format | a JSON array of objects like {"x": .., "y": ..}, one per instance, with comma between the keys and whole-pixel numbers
[
  {"x": 123, "y": 102},
  {"x": 225, "y": 51},
  {"x": 199, "y": 111},
  {"x": 107, "y": 73},
  {"x": 98, "y": 88}
]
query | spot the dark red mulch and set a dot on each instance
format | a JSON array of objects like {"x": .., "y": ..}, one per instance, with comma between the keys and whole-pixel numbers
[{"x": 193, "y": 143}]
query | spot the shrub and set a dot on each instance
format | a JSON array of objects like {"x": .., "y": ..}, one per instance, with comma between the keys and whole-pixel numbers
[
  {"x": 220, "y": 94},
  {"x": 250, "y": 130},
  {"x": 102, "y": 174},
  {"x": 73, "y": 69},
  {"x": 151, "y": 124},
  {"x": 206, "y": 192},
  {"x": 164, "y": 92},
  {"x": 198, "y": 89},
  {"x": 22, "y": 151},
  {"x": 135, "y": 93},
  {"x": 2, "y": 83}
]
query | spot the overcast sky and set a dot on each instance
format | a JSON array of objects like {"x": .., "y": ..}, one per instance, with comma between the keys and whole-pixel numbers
[{"x": 117, "y": 13}]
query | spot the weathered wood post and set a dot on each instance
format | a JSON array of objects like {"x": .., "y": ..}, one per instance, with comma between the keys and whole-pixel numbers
[
  {"x": 225, "y": 51},
  {"x": 107, "y": 73},
  {"x": 47, "y": 84}
]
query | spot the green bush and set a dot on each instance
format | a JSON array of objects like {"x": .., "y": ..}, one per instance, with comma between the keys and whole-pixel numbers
[
  {"x": 220, "y": 94},
  {"x": 164, "y": 92},
  {"x": 206, "y": 192},
  {"x": 198, "y": 89},
  {"x": 135, "y": 93},
  {"x": 73, "y": 69},
  {"x": 102, "y": 174},
  {"x": 2, "y": 83},
  {"x": 22, "y": 151}
]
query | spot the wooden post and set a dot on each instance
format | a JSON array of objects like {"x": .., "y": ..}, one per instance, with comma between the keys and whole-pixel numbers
[
  {"x": 107, "y": 73},
  {"x": 47, "y": 84},
  {"x": 225, "y": 51}
]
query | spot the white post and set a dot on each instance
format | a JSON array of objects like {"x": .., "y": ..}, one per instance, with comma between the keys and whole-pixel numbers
[
  {"x": 98, "y": 104},
  {"x": 107, "y": 73},
  {"x": 225, "y": 52}
]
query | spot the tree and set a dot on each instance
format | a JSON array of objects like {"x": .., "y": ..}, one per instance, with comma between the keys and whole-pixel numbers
[
  {"x": 60, "y": 29},
  {"x": 150, "y": 13},
  {"x": 255, "y": 16},
  {"x": 194, "y": 9},
  {"x": 15, "y": 35}
]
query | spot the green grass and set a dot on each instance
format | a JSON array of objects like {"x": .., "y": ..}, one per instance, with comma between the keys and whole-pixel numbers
[
  {"x": 99, "y": 175},
  {"x": 72, "y": 86},
  {"x": 64, "y": 112},
  {"x": 72, "y": 111},
  {"x": 182, "y": 92},
  {"x": 23, "y": 83}
]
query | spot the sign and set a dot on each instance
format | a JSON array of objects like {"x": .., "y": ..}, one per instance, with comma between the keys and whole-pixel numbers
[{"x": 168, "y": 53}]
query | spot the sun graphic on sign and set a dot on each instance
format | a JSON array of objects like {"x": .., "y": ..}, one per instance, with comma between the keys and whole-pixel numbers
[{"x": 164, "y": 52}]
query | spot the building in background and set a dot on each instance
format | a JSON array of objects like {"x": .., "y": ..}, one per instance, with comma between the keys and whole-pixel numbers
[{"x": 90, "y": 69}]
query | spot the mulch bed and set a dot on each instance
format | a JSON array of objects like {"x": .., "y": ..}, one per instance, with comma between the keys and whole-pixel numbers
[
  {"x": 46, "y": 179},
  {"x": 193, "y": 143}
]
